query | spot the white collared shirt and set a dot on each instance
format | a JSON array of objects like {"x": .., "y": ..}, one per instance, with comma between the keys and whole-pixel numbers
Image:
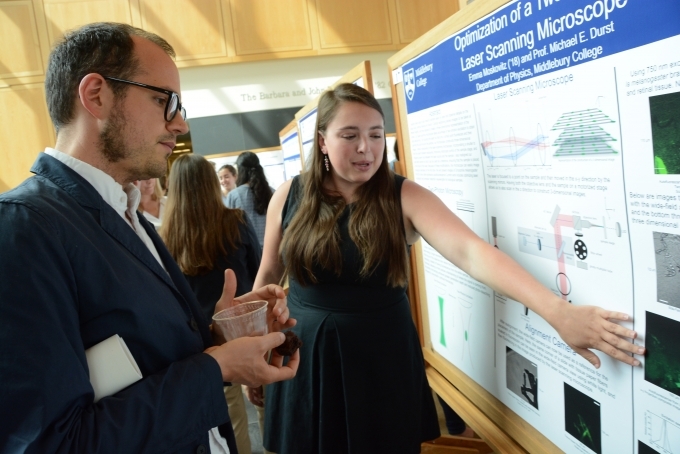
[{"x": 124, "y": 200}]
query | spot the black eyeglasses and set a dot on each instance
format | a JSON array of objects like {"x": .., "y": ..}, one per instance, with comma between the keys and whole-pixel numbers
[{"x": 172, "y": 104}]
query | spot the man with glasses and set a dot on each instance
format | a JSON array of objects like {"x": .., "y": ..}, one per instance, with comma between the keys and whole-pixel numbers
[
  {"x": 172, "y": 104},
  {"x": 78, "y": 264}
]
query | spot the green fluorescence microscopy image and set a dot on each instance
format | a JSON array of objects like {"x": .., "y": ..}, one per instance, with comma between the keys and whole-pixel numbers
[
  {"x": 662, "y": 362},
  {"x": 664, "y": 111},
  {"x": 582, "y": 418}
]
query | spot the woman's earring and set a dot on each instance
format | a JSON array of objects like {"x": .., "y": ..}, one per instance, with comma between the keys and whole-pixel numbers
[{"x": 326, "y": 163}]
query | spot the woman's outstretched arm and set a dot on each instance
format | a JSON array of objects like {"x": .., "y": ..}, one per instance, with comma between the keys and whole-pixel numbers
[{"x": 581, "y": 327}]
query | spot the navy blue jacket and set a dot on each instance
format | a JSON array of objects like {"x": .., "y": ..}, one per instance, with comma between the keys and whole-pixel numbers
[{"x": 73, "y": 273}]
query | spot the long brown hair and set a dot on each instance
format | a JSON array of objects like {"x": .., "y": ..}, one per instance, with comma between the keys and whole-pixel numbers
[
  {"x": 375, "y": 222},
  {"x": 251, "y": 172},
  {"x": 197, "y": 228}
]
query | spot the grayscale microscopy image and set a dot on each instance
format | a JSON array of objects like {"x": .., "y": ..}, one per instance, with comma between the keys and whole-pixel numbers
[
  {"x": 521, "y": 376},
  {"x": 667, "y": 249}
]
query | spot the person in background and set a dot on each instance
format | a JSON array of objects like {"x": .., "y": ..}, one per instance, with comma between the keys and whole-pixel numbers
[
  {"x": 79, "y": 265},
  {"x": 252, "y": 193},
  {"x": 152, "y": 203},
  {"x": 340, "y": 233},
  {"x": 205, "y": 238},
  {"x": 227, "y": 176}
]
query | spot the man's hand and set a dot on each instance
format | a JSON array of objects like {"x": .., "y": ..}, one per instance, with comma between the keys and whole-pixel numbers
[
  {"x": 277, "y": 312},
  {"x": 243, "y": 361},
  {"x": 586, "y": 327}
]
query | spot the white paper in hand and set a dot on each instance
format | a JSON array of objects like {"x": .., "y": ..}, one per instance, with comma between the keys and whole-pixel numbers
[{"x": 112, "y": 367}]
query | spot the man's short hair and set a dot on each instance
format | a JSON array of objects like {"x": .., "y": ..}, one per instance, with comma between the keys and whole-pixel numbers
[{"x": 104, "y": 48}]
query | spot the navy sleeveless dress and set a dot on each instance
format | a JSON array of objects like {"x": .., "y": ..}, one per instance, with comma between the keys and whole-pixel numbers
[{"x": 361, "y": 385}]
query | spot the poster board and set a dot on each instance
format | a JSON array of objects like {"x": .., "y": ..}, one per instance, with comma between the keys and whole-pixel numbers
[
  {"x": 306, "y": 117},
  {"x": 546, "y": 126},
  {"x": 290, "y": 144}
]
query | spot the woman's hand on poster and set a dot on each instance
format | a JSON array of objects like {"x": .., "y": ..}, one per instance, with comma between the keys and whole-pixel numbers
[{"x": 586, "y": 327}]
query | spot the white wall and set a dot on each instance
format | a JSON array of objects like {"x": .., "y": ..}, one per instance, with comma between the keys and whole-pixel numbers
[{"x": 274, "y": 84}]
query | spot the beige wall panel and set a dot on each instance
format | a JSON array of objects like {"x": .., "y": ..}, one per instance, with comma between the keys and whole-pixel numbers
[
  {"x": 194, "y": 28},
  {"x": 266, "y": 26},
  {"x": 352, "y": 23},
  {"x": 26, "y": 130},
  {"x": 20, "y": 50},
  {"x": 464, "y": 3},
  {"x": 65, "y": 15},
  {"x": 415, "y": 17}
]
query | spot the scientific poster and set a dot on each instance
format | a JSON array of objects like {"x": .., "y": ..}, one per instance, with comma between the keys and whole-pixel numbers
[
  {"x": 307, "y": 128},
  {"x": 552, "y": 129},
  {"x": 290, "y": 144}
]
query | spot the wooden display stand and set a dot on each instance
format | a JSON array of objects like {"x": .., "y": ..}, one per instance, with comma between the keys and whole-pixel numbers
[{"x": 502, "y": 429}]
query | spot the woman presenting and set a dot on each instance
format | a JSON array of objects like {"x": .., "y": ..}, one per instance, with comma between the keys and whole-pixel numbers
[{"x": 340, "y": 233}]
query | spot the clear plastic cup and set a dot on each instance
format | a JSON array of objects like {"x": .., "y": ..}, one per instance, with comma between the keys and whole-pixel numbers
[{"x": 245, "y": 319}]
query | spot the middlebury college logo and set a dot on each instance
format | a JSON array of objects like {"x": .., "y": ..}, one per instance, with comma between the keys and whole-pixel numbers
[{"x": 410, "y": 83}]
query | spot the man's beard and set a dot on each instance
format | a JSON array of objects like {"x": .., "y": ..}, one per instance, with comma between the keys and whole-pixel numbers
[
  {"x": 114, "y": 148},
  {"x": 110, "y": 139}
]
